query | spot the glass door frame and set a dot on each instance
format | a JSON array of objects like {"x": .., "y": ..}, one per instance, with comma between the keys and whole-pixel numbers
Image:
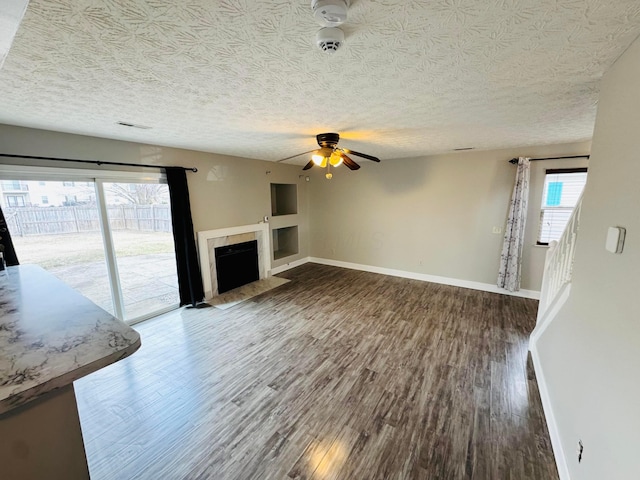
[
  {"x": 110, "y": 251},
  {"x": 98, "y": 178}
]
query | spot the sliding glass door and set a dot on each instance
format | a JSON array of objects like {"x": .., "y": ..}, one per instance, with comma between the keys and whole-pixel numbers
[
  {"x": 139, "y": 217},
  {"x": 57, "y": 225},
  {"x": 110, "y": 240}
]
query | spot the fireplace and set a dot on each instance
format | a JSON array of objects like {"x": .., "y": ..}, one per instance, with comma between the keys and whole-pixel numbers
[
  {"x": 236, "y": 265},
  {"x": 210, "y": 240}
]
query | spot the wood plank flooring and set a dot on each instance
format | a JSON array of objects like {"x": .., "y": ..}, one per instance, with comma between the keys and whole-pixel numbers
[{"x": 338, "y": 374}]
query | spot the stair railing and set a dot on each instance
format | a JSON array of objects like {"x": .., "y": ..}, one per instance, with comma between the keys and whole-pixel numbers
[{"x": 558, "y": 268}]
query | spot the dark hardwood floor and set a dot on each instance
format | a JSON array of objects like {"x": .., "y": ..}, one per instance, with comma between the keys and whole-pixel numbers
[{"x": 338, "y": 374}]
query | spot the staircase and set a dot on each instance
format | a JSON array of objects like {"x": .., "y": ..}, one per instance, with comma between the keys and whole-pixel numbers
[
  {"x": 556, "y": 288},
  {"x": 558, "y": 272}
]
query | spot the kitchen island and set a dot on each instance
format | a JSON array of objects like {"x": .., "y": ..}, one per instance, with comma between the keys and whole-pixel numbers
[{"x": 50, "y": 336}]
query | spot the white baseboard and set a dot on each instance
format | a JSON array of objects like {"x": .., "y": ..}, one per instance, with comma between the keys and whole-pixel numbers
[
  {"x": 487, "y": 287},
  {"x": 289, "y": 266},
  {"x": 552, "y": 426},
  {"x": 542, "y": 323}
]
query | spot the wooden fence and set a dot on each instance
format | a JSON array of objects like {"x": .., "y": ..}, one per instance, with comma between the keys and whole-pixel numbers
[{"x": 54, "y": 220}]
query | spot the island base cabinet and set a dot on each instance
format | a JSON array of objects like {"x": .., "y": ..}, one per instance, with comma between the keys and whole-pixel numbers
[{"x": 43, "y": 439}]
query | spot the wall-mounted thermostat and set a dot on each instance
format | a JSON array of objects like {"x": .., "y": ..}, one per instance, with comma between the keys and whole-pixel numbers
[{"x": 615, "y": 239}]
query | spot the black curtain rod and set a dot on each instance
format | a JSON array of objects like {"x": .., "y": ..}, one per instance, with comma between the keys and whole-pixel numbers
[
  {"x": 514, "y": 161},
  {"x": 96, "y": 162}
]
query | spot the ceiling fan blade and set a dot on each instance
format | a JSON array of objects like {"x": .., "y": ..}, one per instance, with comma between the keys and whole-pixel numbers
[
  {"x": 294, "y": 156},
  {"x": 350, "y": 164},
  {"x": 363, "y": 155},
  {"x": 308, "y": 165}
]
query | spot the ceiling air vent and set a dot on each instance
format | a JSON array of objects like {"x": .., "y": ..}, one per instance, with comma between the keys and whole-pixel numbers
[
  {"x": 463, "y": 149},
  {"x": 133, "y": 125}
]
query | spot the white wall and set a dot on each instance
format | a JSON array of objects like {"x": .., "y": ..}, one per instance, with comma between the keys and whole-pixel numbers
[
  {"x": 225, "y": 192},
  {"x": 431, "y": 215},
  {"x": 590, "y": 353}
]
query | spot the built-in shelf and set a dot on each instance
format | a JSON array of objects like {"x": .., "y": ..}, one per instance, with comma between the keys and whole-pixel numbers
[
  {"x": 285, "y": 242},
  {"x": 284, "y": 199}
]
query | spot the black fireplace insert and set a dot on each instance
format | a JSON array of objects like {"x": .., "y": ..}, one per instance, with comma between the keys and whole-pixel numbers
[{"x": 236, "y": 265}]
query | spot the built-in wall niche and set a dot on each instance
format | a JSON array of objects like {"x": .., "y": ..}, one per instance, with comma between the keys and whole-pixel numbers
[
  {"x": 285, "y": 242},
  {"x": 284, "y": 199}
]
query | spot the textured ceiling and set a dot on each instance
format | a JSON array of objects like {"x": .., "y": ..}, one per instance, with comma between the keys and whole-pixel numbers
[{"x": 244, "y": 77}]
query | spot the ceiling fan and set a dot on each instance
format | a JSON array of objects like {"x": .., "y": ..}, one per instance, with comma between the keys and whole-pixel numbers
[{"x": 330, "y": 155}]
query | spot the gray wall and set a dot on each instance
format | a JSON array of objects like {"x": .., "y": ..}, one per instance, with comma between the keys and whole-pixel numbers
[
  {"x": 590, "y": 354},
  {"x": 432, "y": 215},
  {"x": 225, "y": 192}
]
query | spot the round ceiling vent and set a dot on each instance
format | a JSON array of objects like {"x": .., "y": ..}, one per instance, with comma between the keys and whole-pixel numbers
[
  {"x": 329, "y": 39},
  {"x": 330, "y": 13}
]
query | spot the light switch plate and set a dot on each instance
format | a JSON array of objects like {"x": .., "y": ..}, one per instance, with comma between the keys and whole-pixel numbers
[{"x": 615, "y": 239}]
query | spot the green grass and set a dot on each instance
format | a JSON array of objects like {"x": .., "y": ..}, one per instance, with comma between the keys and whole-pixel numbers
[{"x": 51, "y": 251}]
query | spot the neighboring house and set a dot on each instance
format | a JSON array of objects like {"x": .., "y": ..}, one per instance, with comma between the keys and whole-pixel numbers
[
  {"x": 15, "y": 193},
  {"x": 30, "y": 193}
]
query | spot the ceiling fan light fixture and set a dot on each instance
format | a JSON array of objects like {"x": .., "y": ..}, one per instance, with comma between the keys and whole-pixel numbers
[
  {"x": 329, "y": 155},
  {"x": 321, "y": 156},
  {"x": 335, "y": 159},
  {"x": 317, "y": 159}
]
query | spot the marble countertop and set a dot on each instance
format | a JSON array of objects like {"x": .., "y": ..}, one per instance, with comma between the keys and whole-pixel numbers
[{"x": 50, "y": 335}]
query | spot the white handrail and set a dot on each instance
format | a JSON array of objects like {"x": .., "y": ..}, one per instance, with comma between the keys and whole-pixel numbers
[{"x": 558, "y": 267}]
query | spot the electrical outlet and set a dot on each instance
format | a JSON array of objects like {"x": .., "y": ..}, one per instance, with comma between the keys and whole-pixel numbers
[
  {"x": 497, "y": 230},
  {"x": 580, "y": 450}
]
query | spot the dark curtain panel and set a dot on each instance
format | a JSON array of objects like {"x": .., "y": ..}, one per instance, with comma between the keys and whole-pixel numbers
[
  {"x": 189, "y": 279},
  {"x": 6, "y": 244}
]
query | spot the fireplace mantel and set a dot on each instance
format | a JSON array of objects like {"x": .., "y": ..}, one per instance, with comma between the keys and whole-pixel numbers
[{"x": 210, "y": 239}]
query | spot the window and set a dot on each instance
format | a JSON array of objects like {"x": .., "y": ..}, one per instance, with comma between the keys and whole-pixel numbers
[
  {"x": 562, "y": 190},
  {"x": 42, "y": 184},
  {"x": 68, "y": 184},
  {"x": 14, "y": 185},
  {"x": 15, "y": 200},
  {"x": 122, "y": 257}
]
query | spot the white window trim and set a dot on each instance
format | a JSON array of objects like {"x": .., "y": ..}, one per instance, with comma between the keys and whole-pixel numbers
[
  {"x": 543, "y": 208},
  {"x": 28, "y": 172}
]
